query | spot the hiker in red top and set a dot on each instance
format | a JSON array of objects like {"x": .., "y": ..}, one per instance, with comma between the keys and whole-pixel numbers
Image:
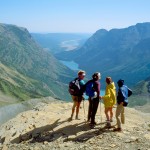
[{"x": 94, "y": 98}]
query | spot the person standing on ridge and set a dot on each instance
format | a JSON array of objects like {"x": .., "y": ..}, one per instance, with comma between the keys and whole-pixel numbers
[
  {"x": 76, "y": 90},
  {"x": 109, "y": 99},
  {"x": 122, "y": 101},
  {"x": 93, "y": 91}
]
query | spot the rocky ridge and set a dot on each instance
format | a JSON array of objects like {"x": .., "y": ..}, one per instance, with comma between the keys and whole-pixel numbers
[{"x": 46, "y": 127}]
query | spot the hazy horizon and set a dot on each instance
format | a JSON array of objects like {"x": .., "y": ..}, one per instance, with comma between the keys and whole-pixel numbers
[{"x": 73, "y": 16}]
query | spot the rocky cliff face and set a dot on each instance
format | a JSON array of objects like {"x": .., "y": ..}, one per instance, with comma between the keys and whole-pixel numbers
[{"x": 47, "y": 127}]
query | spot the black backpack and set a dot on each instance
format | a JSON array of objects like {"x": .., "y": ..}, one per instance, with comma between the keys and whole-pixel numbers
[
  {"x": 129, "y": 92},
  {"x": 74, "y": 87}
]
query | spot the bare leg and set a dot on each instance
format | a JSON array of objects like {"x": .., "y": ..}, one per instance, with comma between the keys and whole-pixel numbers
[
  {"x": 77, "y": 109},
  {"x": 106, "y": 113},
  {"x": 111, "y": 113},
  {"x": 73, "y": 108}
]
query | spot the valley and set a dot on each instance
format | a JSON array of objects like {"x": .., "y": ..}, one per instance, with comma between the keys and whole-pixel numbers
[
  {"x": 59, "y": 42},
  {"x": 116, "y": 53},
  {"x": 28, "y": 71},
  {"x": 39, "y": 74}
]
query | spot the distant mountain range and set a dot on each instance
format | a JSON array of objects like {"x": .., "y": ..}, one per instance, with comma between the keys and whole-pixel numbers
[
  {"x": 119, "y": 53},
  {"x": 58, "y": 42},
  {"x": 26, "y": 70}
]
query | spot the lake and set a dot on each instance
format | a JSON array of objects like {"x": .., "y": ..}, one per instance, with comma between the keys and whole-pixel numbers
[
  {"x": 74, "y": 66},
  {"x": 70, "y": 64}
]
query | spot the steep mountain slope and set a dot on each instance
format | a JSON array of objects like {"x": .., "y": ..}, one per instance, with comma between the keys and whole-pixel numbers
[
  {"x": 57, "y": 42},
  {"x": 141, "y": 95},
  {"x": 17, "y": 85},
  {"x": 34, "y": 72},
  {"x": 5, "y": 100},
  {"x": 120, "y": 53}
]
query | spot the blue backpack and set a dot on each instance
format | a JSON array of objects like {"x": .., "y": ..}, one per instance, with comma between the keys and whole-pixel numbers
[{"x": 89, "y": 90}]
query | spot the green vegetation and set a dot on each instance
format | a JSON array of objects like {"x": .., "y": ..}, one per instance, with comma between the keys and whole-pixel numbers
[
  {"x": 138, "y": 100},
  {"x": 16, "y": 85},
  {"x": 119, "y": 53},
  {"x": 141, "y": 94},
  {"x": 27, "y": 71}
]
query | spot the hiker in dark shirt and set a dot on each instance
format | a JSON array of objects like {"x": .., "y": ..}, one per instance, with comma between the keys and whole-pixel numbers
[
  {"x": 122, "y": 101},
  {"x": 77, "y": 98},
  {"x": 94, "y": 100}
]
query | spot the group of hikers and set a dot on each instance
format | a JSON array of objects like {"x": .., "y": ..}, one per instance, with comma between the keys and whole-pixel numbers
[{"x": 91, "y": 88}]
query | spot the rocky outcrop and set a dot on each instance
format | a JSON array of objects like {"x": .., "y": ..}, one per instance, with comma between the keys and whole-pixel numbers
[{"x": 46, "y": 127}]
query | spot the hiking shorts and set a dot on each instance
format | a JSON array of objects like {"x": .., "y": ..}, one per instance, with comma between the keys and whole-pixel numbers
[{"x": 77, "y": 98}]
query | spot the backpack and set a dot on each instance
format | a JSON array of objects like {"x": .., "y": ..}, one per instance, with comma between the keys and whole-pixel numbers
[
  {"x": 74, "y": 87},
  {"x": 89, "y": 91},
  {"x": 129, "y": 92}
]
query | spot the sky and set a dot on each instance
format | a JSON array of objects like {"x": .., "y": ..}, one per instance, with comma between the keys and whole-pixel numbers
[{"x": 73, "y": 16}]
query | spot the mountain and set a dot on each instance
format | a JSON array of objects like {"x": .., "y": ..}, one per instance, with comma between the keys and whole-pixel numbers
[
  {"x": 58, "y": 42},
  {"x": 26, "y": 69},
  {"x": 141, "y": 96},
  {"x": 46, "y": 127},
  {"x": 120, "y": 53}
]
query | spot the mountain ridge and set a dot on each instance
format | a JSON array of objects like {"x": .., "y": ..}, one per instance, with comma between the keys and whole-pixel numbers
[
  {"x": 116, "y": 53},
  {"x": 19, "y": 51}
]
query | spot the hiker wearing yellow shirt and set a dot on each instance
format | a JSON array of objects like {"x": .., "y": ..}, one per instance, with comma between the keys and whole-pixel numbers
[{"x": 109, "y": 99}]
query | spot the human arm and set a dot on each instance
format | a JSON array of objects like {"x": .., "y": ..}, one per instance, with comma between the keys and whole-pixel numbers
[
  {"x": 97, "y": 88},
  {"x": 107, "y": 94},
  {"x": 120, "y": 97}
]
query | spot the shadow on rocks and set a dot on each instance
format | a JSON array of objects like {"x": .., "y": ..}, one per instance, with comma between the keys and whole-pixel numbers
[
  {"x": 73, "y": 132},
  {"x": 95, "y": 131},
  {"x": 64, "y": 132},
  {"x": 36, "y": 132}
]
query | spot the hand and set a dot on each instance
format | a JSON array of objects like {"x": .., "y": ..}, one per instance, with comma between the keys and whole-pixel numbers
[
  {"x": 121, "y": 103},
  {"x": 101, "y": 97}
]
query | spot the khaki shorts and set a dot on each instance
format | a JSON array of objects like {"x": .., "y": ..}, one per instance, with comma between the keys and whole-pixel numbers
[{"x": 77, "y": 98}]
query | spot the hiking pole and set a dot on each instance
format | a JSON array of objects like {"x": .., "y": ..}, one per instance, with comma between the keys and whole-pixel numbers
[
  {"x": 100, "y": 112},
  {"x": 84, "y": 110}
]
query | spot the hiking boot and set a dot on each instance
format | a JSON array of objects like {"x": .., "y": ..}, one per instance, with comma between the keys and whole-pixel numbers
[
  {"x": 117, "y": 130},
  {"x": 77, "y": 118},
  {"x": 93, "y": 123},
  {"x": 108, "y": 125},
  {"x": 70, "y": 119},
  {"x": 111, "y": 120}
]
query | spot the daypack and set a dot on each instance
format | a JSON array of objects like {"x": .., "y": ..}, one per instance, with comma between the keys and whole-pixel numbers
[
  {"x": 89, "y": 90},
  {"x": 129, "y": 92},
  {"x": 74, "y": 87}
]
